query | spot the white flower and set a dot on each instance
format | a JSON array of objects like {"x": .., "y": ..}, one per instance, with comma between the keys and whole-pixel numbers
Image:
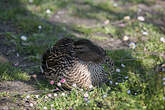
[
  {"x": 135, "y": 93},
  {"x": 132, "y": 45},
  {"x": 49, "y": 95},
  {"x": 28, "y": 96},
  {"x": 110, "y": 82},
  {"x": 48, "y": 11},
  {"x": 118, "y": 70},
  {"x": 31, "y": 104},
  {"x": 164, "y": 83},
  {"x": 37, "y": 96},
  {"x": 86, "y": 94},
  {"x": 116, "y": 83},
  {"x": 139, "y": 10},
  {"x": 24, "y": 38},
  {"x": 81, "y": 89},
  {"x": 55, "y": 95},
  {"x": 106, "y": 22},
  {"x": 122, "y": 65},
  {"x": 30, "y": 1},
  {"x": 125, "y": 38},
  {"x": 162, "y": 39},
  {"x": 141, "y": 18},
  {"x": 63, "y": 94},
  {"x": 163, "y": 79},
  {"x": 163, "y": 69},
  {"x": 145, "y": 33},
  {"x": 52, "y": 105},
  {"x": 127, "y": 17},
  {"x": 39, "y": 27},
  {"x": 58, "y": 84},
  {"x": 126, "y": 77},
  {"x": 46, "y": 97},
  {"x": 17, "y": 54},
  {"x": 86, "y": 99},
  {"x": 90, "y": 86},
  {"x": 128, "y": 91},
  {"x": 105, "y": 95},
  {"x": 115, "y": 4},
  {"x": 45, "y": 108},
  {"x": 74, "y": 85},
  {"x": 163, "y": 98}
]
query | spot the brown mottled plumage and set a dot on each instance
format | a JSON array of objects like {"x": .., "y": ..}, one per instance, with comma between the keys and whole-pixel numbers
[{"x": 77, "y": 61}]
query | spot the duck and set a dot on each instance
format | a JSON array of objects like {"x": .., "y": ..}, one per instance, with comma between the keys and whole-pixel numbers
[{"x": 77, "y": 62}]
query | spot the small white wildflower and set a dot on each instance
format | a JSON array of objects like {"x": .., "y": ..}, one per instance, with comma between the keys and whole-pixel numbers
[
  {"x": 49, "y": 95},
  {"x": 55, "y": 95},
  {"x": 110, "y": 82},
  {"x": 86, "y": 99},
  {"x": 37, "y": 96},
  {"x": 145, "y": 33},
  {"x": 127, "y": 17},
  {"x": 24, "y": 38},
  {"x": 164, "y": 83},
  {"x": 40, "y": 27},
  {"x": 163, "y": 98},
  {"x": 139, "y": 10},
  {"x": 141, "y": 18},
  {"x": 116, "y": 83},
  {"x": 28, "y": 96},
  {"x": 74, "y": 85},
  {"x": 31, "y": 104},
  {"x": 115, "y": 4},
  {"x": 48, "y": 11},
  {"x": 132, "y": 45},
  {"x": 105, "y": 95},
  {"x": 162, "y": 39},
  {"x": 125, "y": 38},
  {"x": 122, "y": 65},
  {"x": 46, "y": 97},
  {"x": 128, "y": 91},
  {"x": 45, "y": 108},
  {"x": 135, "y": 93},
  {"x": 126, "y": 77},
  {"x": 30, "y": 1},
  {"x": 63, "y": 94},
  {"x": 52, "y": 105},
  {"x": 86, "y": 94},
  {"x": 163, "y": 69},
  {"x": 118, "y": 70},
  {"x": 17, "y": 54},
  {"x": 81, "y": 90},
  {"x": 58, "y": 84},
  {"x": 106, "y": 22},
  {"x": 163, "y": 79},
  {"x": 90, "y": 86}
]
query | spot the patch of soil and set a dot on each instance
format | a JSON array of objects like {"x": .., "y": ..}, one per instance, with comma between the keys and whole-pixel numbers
[
  {"x": 14, "y": 100},
  {"x": 15, "y": 87}
]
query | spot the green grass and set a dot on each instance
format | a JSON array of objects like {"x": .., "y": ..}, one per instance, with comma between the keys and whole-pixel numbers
[
  {"x": 136, "y": 87},
  {"x": 8, "y": 72}
]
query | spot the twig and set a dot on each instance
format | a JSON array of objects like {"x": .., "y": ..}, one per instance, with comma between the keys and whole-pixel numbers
[{"x": 37, "y": 91}]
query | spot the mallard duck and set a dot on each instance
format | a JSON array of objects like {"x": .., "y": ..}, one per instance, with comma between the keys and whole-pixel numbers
[{"x": 79, "y": 62}]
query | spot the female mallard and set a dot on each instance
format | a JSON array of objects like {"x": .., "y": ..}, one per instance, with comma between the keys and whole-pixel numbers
[{"x": 77, "y": 61}]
